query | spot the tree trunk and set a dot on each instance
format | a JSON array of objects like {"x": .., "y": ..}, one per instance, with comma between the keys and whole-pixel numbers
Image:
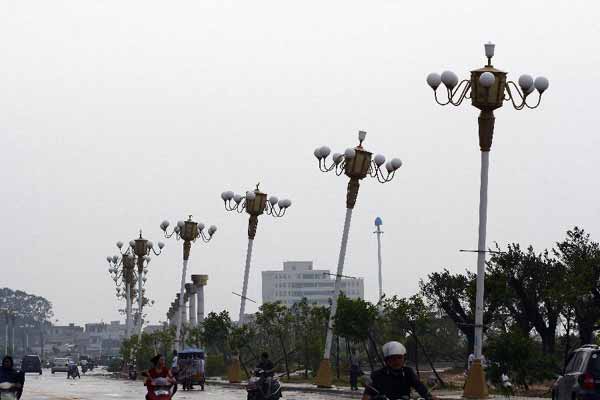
[
  {"x": 285, "y": 357},
  {"x": 306, "y": 356},
  {"x": 439, "y": 378},
  {"x": 369, "y": 357},
  {"x": 244, "y": 366},
  {"x": 376, "y": 349},
  {"x": 567, "y": 340},
  {"x": 337, "y": 356}
]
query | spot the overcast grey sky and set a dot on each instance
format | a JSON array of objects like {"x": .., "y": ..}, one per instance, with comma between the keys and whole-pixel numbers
[{"x": 117, "y": 114}]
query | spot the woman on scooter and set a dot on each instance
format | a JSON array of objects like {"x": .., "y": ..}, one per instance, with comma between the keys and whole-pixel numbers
[{"x": 158, "y": 370}]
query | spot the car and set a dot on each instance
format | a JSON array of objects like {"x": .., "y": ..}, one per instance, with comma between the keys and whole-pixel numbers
[
  {"x": 60, "y": 365},
  {"x": 580, "y": 379},
  {"x": 31, "y": 363}
]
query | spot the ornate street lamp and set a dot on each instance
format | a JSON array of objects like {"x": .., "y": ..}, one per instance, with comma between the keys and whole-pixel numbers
[
  {"x": 254, "y": 203},
  {"x": 141, "y": 249},
  {"x": 487, "y": 89},
  {"x": 356, "y": 163},
  {"x": 188, "y": 231},
  {"x": 122, "y": 271}
]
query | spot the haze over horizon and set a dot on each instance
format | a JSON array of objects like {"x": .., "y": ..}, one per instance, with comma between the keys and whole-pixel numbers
[{"x": 117, "y": 115}]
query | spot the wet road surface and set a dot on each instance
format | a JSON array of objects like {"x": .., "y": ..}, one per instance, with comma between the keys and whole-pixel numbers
[{"x": 92, "y": 387}]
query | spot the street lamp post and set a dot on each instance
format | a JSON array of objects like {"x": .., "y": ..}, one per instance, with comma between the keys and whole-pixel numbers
[
  {"x": 254, "y": 203},
  {"x": 357, "y": 164},
  {"x": 378, "y": 223},
  {"x": 188, "y": 231},
  {"x": 487, "y": 89},
  {"x": 141, "y": 248},
  {"x": 124, "y": 279}
]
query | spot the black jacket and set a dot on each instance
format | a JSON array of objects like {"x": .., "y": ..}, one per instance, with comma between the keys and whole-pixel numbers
[{"x": 395, "y": 384}]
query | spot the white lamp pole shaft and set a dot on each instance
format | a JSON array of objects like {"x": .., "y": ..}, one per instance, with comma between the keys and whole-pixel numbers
[
  {"x": 140, "y": 301},
  {"x": 481, "y": 248},
  {"x": 338, "y": 281},
  {"x": 246, "y": 276},
  {"x": 181, "y": 309},
  {"x": 379, "y": 261},
  {"x": 128, "y": 310}
]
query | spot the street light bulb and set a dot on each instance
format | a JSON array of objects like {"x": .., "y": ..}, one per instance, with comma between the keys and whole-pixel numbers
[
  {"x": 132, "y": 244},
  {"x": 115, "y": 259},
  {"x": 350, "y": 153},
  {"x": 526, "y": 83},
  {"x": 450, "y": 79},
  {"x": 119, "y": 244},
  {"x": 433, "y": 80},
  {"x": 389, "y": 166},
  {"x": 161, "y": 245},
  {"x": 212, "y": 229},
  {"x": 379, "y": 160},
  {"x": 362, "y": 135},
  {"x": 489, "y": 49},
  {"x": 396, "y": 163},
  {"x": 164, "y": 225},
  {"x": 317, "y": 153},
  {"x": 149, "y": 244},
  {"x": 541, "y": 84},
  {"x": 250, "y": 195},
  {"x": 108, "y": 258},
  {"x": 273, "y": 200},
  {"x": 280, "y": 203},
  {"x": 487, "y": 79},
  {"x": 237, "y": 198},
  {"x": 287, "y": 203},
  {"x": 200, "y": 226},
  {"x": 180, "y": 224},
  {"x": 325, "y": 151},
  {"x": 177, "y": 229},
  {"x": 337, "y": 158}
]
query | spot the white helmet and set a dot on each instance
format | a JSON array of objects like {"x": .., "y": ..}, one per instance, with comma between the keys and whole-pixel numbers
[{"x": 393, "y": 349}]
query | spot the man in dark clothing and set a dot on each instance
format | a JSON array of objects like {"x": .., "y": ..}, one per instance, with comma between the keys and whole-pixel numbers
[
  {"x": 9, "y": 374},
  {"x": 395, "y": 380},
  {"x": 265, "y": 364}
]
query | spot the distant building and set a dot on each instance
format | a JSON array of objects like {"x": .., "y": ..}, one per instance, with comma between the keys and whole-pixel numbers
[
  {"x": 298, "y": 279},
  {"x": 102, "y": 339}
]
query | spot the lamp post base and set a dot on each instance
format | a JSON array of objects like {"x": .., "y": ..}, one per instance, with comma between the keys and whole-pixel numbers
[
  {"x": 324, "y": 378},
  {"x": 475, "y": 386},
  {"x": 234, "y": 372}
]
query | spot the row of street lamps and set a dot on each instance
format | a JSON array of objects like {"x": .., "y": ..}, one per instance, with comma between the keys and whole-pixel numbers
[{"x": 487, "y": 89}]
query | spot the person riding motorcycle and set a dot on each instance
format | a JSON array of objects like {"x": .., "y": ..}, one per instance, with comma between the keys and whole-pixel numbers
[
  {"x": 158, "y": 370},
  {"x": 395, "y": 380},
  {"x": 268, "y": 368},
  {"x": 265, "y": 364},
  {"x": 73, "y": 371},
  {"x": 8, "y": 375}
]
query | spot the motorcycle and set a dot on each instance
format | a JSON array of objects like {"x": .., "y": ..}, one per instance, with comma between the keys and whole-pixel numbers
[
  {"x": 160, "y": 389},
  {"x": 263, "y": 386},
  {"x": 73, "y": 372},
  {"x": 10, "y": 391}
]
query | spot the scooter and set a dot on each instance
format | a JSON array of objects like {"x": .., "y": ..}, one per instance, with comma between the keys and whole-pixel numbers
[
  {"x": 10, "y": 391},
  {"x": 160, "y": 389},
  {"x": 262, "y": 386}
]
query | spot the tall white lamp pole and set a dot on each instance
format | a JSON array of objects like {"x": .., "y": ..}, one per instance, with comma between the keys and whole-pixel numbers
[{"x": 357, "y": 164}]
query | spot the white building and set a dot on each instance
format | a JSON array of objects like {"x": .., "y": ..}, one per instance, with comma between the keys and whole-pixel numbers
[{"x": 298, "y": 279}]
